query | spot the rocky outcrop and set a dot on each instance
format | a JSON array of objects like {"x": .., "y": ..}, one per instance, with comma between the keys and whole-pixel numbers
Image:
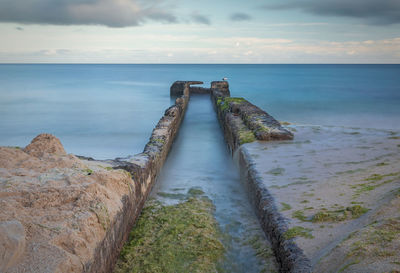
[{"x": 55, "y": 208}]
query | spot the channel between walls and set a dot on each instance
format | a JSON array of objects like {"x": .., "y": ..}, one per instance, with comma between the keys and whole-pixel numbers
[
  {"x": 243, "y": 122},
  {"x": 144, "y": 169}
]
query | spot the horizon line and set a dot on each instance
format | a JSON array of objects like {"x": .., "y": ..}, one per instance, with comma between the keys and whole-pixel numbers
[{"x": 94, "y": 63}]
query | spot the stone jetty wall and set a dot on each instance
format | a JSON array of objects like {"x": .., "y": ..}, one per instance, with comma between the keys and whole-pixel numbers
[
  {"x": 144, "y": 168},
  {"x": 243, "y": 122}
]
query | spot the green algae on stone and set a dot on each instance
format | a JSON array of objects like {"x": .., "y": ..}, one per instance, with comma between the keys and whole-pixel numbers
[
  {"x": 372, "y": 182},
  {"x": 382, "y": 164},
  {"x": 357, "y": 211},
  {"x": 325, "y": 215},
  {"x": 246, "y": 136},
  {"x": 352, "y": 212},
  {"x": 298, "y": 231},
  {"x": 376, "y": 239},
  {"x": 264, "y": 251},
  {"x": 285, "y": 206},
  {"x": 88, "y": 171},
  {"x": 276, "y": 171},
  {"x": 195, "y": 191},
  {"x": 223, "y": 103},
  {"x": 299, "y": 215},
  {"x": 378, "y": 177},
  {"x": 159, "y": 140},
  {"x": 234, "y": 99},
  {"x": 173, "y": 238}
]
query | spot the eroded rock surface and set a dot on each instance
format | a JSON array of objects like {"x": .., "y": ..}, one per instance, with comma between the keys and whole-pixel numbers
[
  {"x": 45, "y": 144},
  {"x": 55, "y": 208},
  {"x": 12, "y": 243}
]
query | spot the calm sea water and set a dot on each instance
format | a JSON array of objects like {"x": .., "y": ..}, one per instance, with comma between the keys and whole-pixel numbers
[{"x": 106, "y": 111}]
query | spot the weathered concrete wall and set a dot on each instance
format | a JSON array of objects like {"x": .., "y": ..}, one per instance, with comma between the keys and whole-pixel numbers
[
  {"x": 244, "y": 122},
  {"x": 180, "y": 88},
  {"x": 144, "y": 168},
  {"x": 199, "y": 90},
  {"x": 290, "y": 256}
]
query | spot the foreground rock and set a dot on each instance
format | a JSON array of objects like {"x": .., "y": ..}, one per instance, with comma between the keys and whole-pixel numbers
[{"x": 55, "y": 208}]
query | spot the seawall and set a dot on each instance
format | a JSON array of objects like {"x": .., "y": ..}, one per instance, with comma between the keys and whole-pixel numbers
[
  {"x": 243, "y": 122},
  {"x": 144, "y": 168}
]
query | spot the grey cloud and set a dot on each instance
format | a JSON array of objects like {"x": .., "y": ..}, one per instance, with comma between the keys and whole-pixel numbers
[
  {"x": 374, "y": 11},
  {"x": 239, "y": 16},
  {"x": 201, "y": 19},
  {"x": 111, "y": 13}
]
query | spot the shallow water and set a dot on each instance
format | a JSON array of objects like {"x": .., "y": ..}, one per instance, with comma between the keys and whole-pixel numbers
[
  {"x": 108, "y": 111},
  {"x": 199, "y": 158}
]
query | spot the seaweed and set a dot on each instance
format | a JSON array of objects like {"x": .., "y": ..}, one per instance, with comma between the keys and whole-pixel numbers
[
  {"x": 298, "y": 231},
  {"x": 174, "y": 238}
]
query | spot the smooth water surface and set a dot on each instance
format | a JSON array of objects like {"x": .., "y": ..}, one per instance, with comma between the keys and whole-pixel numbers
[
  {"x": 200, "y": 159},
  {"x": 105, "y": 111}
]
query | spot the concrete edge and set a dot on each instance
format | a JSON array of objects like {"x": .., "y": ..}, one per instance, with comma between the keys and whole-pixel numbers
[{"x": 290, "y": 256}]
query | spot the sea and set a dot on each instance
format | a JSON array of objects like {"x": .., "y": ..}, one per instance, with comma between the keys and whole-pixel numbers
[{"x": 109, "y": 110}]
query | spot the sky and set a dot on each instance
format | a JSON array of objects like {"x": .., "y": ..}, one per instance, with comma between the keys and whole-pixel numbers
[{"x": 202, "y": 31}]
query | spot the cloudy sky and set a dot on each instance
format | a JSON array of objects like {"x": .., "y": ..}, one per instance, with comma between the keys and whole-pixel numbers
[{"x": 203, "y": 31}]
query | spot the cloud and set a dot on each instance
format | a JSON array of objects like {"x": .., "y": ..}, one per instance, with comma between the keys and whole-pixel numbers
[
  {"x": 19, "y": 28},
  {"x": 201, "y": 19},
  {"x": 240, "y": 16},
  {"x": 112, "y": 13},
  {"x": 373, "y": 11},
  {"x": 223, "y": 50}
]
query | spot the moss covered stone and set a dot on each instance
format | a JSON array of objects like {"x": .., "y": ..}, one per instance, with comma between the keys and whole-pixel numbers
[
  {"x": 298, "y": 231},
  {"x": 285, "y": 206},
  {"x": 352, "y": 212},
  {"x": 246, "y": 136},
  {"x": 223, "y": 103},
  {"x": 174, "y": 238}
]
